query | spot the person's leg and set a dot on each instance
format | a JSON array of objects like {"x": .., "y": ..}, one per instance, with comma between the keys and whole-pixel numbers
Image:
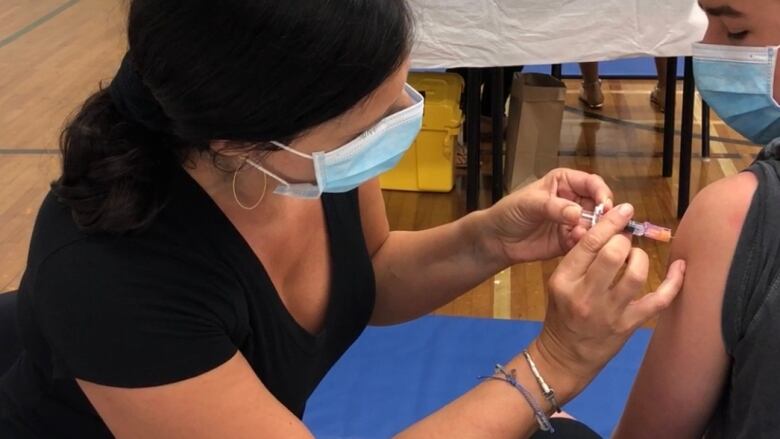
[
  {"x": 660, "y": 68},
  {"x": 590, "y": 71},
  {"x": 509, "y": 73},
  {"x": 590, "y": 93},
  {"x": 486, "y": 110},
  {"x": 658, "y": 95}
]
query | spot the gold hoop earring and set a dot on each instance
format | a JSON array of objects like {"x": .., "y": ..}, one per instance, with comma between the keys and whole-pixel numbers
[{"x": 235, "y": 193}]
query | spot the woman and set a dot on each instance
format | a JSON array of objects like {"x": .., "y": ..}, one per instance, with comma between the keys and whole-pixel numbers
[
  {"x": 217, "y": 238},
  {"x": 712, "y": 364}
]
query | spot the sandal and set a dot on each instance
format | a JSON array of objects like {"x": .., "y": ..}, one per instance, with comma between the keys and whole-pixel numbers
[
  {"x": 591, "y": 95},
  {"x": 658, "y": 98}
]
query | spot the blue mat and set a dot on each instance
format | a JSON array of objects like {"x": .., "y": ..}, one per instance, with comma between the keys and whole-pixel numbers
[{"x": 392, "y": 377}]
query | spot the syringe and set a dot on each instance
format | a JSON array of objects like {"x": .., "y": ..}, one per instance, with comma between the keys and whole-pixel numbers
[{"x": 646, "y": 229}]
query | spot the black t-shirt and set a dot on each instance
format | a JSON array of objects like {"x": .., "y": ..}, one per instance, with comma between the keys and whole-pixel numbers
[
  {"x": 165, "y": 305},
  {"x": 749, "y": 405}
]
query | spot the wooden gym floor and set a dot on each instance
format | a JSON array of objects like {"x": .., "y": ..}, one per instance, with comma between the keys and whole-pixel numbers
[{"x": 53, "y": 53}]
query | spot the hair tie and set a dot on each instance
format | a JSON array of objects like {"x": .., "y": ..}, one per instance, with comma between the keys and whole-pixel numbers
[{"x": 134, "y": 100}]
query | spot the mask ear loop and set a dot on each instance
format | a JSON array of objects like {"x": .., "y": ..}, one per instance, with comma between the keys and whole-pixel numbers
[
  {"x": 290, "y": 150},
  {"x": 235, "y": 193}
]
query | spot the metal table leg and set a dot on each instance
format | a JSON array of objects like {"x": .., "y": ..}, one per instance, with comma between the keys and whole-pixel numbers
[
  {"x": 498, "y": 106},
  {"x": 669, "y": 115},
  {"x": 557, "y": 71},
  {"x": 472, "y": 138},
  {"x": 686, "y": 140}
]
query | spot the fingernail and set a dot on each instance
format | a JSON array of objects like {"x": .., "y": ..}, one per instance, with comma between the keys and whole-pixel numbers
[
  {"x": 626, "y": 209},
  {"x": 678, "y": 265},
  {"x": 572, "y": 212}
]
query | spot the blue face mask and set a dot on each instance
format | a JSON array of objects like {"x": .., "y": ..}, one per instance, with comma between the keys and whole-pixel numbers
[
  {"x": 372, "y": 153},
  {"x": 737, "y": 82}
]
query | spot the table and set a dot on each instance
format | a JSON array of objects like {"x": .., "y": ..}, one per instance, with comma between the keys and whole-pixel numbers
[{"x": 486, "y": 35}]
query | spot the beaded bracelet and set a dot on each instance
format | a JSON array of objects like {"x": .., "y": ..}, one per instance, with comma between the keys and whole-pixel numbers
[
  {"x": 511, "y": 378},
  {"x": 547, "y": 391}
]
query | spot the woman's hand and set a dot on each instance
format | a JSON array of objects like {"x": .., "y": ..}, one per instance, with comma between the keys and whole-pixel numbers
[
  {"x": 540, "y": 221},
  {"x": 593, "y": 309}
]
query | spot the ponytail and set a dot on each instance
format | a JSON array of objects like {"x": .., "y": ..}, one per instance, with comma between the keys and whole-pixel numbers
[{"x": 114, "y": 170}]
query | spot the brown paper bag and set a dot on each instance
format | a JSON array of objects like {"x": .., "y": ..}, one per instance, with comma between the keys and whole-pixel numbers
[{"x": 534, "y": 128}]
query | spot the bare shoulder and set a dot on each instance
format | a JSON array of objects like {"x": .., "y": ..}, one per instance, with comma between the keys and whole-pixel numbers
[{"x": 715, "y": 218}]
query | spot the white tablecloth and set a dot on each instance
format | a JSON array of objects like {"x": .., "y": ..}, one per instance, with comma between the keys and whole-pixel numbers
[{"x": 489, "y": 33}]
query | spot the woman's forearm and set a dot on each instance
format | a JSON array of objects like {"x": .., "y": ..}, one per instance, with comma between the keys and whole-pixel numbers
[
  {"x": 495, "y": 409},
  {"x": 418, "y": 272}
]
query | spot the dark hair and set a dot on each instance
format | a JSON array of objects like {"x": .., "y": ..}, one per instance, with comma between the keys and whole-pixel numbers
[{"x": 250, "y": 71}]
